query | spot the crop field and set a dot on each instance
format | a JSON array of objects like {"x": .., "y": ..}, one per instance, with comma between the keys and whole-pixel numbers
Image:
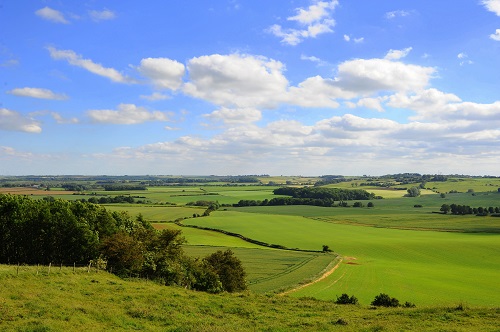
[
  {"x": 272, "y": 270},
  {"x": 424, "y": 267},
  {"x": 156, "y": 213}
]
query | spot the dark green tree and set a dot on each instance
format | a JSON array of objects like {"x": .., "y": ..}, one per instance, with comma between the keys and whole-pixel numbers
[{"x": 229, "y": 269}]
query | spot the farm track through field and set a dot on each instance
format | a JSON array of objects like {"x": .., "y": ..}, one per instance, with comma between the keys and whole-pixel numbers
[
  {"x": 285, "y": 272},
  {"x": 322, "y": 277}
]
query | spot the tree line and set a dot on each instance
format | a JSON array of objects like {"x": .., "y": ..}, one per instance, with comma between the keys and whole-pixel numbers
[
  {"x": 312, "y": 196},
  {"x": 66, "y": 232},
  {"x": 458, "y": 209}
]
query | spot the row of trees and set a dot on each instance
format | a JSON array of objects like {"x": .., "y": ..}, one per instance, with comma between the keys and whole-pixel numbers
[
  {"x": 67, "y": 232},
  {"x": 458, "y": 209},
  {"x": 336, "y": 194}
]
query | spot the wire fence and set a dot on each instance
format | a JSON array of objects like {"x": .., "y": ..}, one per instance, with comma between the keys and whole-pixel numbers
[{"x": 48, "y": 269}]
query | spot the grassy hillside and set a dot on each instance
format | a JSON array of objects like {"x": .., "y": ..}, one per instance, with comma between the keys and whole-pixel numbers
[{"x": 81, "y": 301}]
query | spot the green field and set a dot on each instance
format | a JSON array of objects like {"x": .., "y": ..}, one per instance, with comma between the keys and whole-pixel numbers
[{"x": 424, "y": 267}]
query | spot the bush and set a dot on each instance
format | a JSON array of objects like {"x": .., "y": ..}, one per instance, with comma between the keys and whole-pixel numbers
[
  {"x": 345, "y": 299},
  {"x": 384, "y": 300},
  {"x": 229, "y": 270}
]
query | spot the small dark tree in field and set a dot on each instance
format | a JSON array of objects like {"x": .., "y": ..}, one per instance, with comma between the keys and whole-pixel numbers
[
  {"x": 345, "y": 299},
  {"x": 384, "y": 300},
  {"x": 413, "y": 192},
  {"x": 370, "y": 204},
  {"x": 229, "y": 269},
  {"x": 445, "y": 208},
  {"x": 442, "y": 195},
  {"x": 357, "y": 204},
  {"x": 326, "y": 248}
]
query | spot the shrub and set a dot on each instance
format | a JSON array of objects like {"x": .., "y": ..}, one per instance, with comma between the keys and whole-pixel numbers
[
  {"x": 345, "y": 299},
  {"x": 384, "y": 300},
  {"x": 409, "y": 305}
]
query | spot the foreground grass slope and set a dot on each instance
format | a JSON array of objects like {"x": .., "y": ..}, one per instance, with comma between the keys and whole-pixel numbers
[{"x": 79, "y": 301}]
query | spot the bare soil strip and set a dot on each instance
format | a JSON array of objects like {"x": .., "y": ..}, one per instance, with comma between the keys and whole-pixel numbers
[{"x": 323, "y": 276}]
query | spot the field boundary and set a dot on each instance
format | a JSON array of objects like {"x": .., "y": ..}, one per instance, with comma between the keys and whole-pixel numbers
[
  {"x": 244, "y": 238},
  {"x": 322, "y": 277}
]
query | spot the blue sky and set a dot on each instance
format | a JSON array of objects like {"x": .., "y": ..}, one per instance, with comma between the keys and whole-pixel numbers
[{"x": 234, "y": 87}]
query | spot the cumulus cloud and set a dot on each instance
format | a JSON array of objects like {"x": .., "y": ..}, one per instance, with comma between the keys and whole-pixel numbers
[
  {"x": 315, "y": 20},
  {"x": 236, "y": 80},
  {"x": 127, "y": 114},
  {"x": 492, "y": 6},
  {"x": 37, "y": 93},
  {"x": 235, "y": 116},
  {"x": 371, "y": 75},
  {"x": 496, "y": 35},
  {"x": 102, "y": 15},
  {"x": 77, "y": 60},
  {"x": 15, "y": 121},
  {"x": 163, "y": 73},
  {"x": 51, "y": 15},
  {"x": 397, "y": 54}
]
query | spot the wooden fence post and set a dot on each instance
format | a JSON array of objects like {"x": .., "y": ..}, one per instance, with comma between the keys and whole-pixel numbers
[
  {"x": 74, "y": 266},
  {"x": 50, "y": 264}
]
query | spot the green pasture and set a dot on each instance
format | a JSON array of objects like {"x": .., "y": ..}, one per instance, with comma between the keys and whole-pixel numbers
[
  {"x": 273, "y": 270},
  {"x": 185, "y": 194},
  {"x": 399, "y": 213},
  {"x": 200, "y": 237},
  {"x": 423, "y": 267},
  {"x": 156, "y": 213}
]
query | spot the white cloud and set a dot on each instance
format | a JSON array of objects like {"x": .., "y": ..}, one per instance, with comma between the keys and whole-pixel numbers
[
  {"x": 95, "y": 68},
  {"x": 37, "y": 93},
  {"x": 371, "y": 75},
  {"x": 126, "y": 114},
  {"x": 396, "y": 13},
  {"x": 496, "y": 35},
  {"x": 317, "y": 92},
  {"x": 15, "y": 121},
  {"x": 163, "y": 72},
  {"x": 464, "y": 57},
  {"x": 155, "y": 96},
  {"x": 313, "y": 59},
  {"x": 61, "y": 120},
  {"x": 314, "y": 13},
  {"x": 371, "y": 103},
  {"x": 316, "y": 20},
  {"x": 9, "y": 63},
  {"x": 492, "y": 6},
  {"x": 397, "y": 54},
  {"x": 348, "y": 38},
  {"x": 102, "y": 15},
  {"x": 52, "y": 15},
  {"x": 241, "y": 81},
  {"x": 235, "y": 116}
]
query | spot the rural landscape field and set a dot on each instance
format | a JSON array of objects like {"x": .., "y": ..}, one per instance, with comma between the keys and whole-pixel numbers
[
  {"x": 249, "y": 165},
  {"x": 403, "y": 246}
]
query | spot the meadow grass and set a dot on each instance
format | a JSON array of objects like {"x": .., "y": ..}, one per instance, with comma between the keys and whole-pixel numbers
[
  {"x": 67, "y": 301},
  {"x": 424, "y": 267}
]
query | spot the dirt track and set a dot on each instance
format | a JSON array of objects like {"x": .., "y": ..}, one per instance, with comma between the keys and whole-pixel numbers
[{"x": 323, "y": 276}]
